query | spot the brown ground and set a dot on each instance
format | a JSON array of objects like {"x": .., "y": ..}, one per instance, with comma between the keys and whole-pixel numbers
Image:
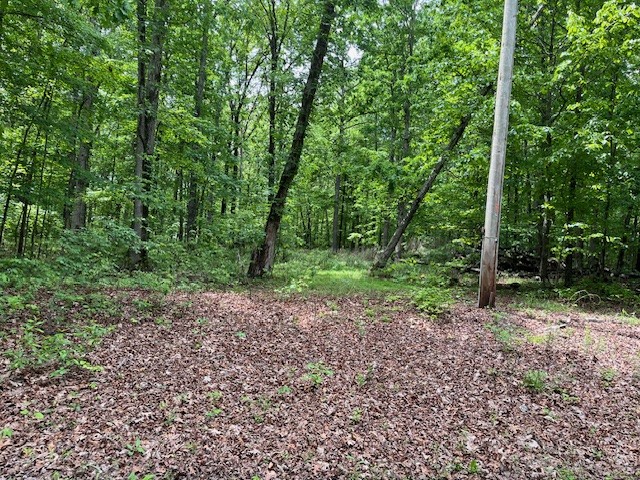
[{"x": 409, "y": 397}]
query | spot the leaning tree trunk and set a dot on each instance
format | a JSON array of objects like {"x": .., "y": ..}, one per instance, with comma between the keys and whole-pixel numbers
[
  {"x": 263, "y": 256},
  {"x": 149, "y": 75},
  {"x": 383, "y": 256}
]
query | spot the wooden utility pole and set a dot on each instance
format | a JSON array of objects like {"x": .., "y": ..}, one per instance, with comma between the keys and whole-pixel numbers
[{"x": 489, "y": 261}]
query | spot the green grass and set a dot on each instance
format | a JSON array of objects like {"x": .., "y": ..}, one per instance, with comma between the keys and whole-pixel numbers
[{"x": 350, "y": 281}]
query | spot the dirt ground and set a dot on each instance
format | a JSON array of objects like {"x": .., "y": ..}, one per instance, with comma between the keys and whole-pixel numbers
[{"x": 253, "y": 385}]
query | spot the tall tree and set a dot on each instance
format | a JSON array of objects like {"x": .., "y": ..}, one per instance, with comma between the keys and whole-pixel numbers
[
  {"x": 263, "y": 256},
  {"x": 150, "y": 53}
]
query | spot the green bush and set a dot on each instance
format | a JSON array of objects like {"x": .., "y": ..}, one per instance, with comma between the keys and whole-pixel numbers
[{"x": 433, "y": 300}]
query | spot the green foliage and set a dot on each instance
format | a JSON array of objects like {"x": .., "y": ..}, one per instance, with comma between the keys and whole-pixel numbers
[
  {"x": 608, "y": 375},
  {"x": 284, "y": 390},
  {"x": 317, "y": 373},
  {"x": 507, "y": 335},
  {"x": 535, "y": 380},
  {"x": 58, "y": 351},
  {"x": 356, "y": 415},
  {"x": 433, "y": 300},
  {"x": 135, "y": 448}
]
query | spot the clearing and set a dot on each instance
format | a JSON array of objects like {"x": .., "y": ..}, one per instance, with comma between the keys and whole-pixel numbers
[{"x": 249, "y": 385}]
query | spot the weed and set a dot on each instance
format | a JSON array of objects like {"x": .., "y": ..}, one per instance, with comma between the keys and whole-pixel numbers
[
  {"x": 6, "y": 432},
  {"x": 241, "y": 335},
  {"x": 356, "y": 415},
  {"x": 169, "y": 418},
  {"x": 363, "y": 378},
  {"x": 629, "y": 318},
  {"x": 136, "y": 447},
  {"x": 607, "y": 376},
  {"x": 568, "y": 398},
  {"x": 215, "y": 396},
  {"x": 36, "y": 414},
  {"x": 316, "y": 373},
  {"x": 433, "y": 300},
  {"x": 284, "y": 390},
  {"x": 162, "y": 322},
  {"x": 62, "y": 351},
  {"x": 214, "y": 412},
  {"x": 134, "y": 476},
  {"x": 473, "y": 468},
  {"x": 360, "y": 326},
  {"x": 535, "y": 380},
  {"x": 507, "y": 335},
  {"x": 566, "y": 474}
]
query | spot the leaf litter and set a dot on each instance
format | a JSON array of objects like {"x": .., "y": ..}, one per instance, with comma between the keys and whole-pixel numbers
[{"x": 226, "y": 385}]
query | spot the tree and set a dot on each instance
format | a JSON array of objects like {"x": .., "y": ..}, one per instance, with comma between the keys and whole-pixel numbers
[
  {"x": 150, "y": 52},
  {"x": 264, "y": 255}
]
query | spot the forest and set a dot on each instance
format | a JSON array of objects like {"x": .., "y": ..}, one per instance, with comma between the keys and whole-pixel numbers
[{"x": 242, "y": 238}]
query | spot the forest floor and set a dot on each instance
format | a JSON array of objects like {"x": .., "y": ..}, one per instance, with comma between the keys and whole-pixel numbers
[{"x": 257, "y": 385}]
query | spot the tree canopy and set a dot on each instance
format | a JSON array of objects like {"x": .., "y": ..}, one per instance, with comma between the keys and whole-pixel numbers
[{"x": 169, "y": 127}]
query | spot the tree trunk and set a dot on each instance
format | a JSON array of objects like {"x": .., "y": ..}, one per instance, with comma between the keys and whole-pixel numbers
[
  {"x": 383, "y": 256},
  {"x": 264, "y": 255},
  {"x": 335, "y": 240},
  {"x": 201, "y": 79},
  {"x": 45, "y": 104},
  {"x": 79, "y": 180},
  {"x": 624, "y": 240},
  {"x": 149, "y": 76}
]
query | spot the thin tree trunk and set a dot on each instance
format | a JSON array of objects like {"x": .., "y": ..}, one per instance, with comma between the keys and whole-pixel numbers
[
  {"x": 335, "y": 239},
  {"x": 79, "y": 180},
  {"x": 263, "y": 256},
  {"x": 624, "y": 241},
  {"x": 192, "y": 203},
  {"x": 149, "y": 76},
  {"x": 383, "y": 256},
  {"x": 45, "y": 103}
]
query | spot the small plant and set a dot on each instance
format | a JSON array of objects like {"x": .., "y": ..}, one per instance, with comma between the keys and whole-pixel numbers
[
  {"x": 316, "y": 373},
  {"x": 356, "y": 415},
  {"x": 162, "y": 322},
  {"x": 214, "y": 412},
  {"x": 284, "y": 390},
  {"x": 62, "y": 351},
  {"x": 363, "y": 378},
  {"x": 142, "y": 305},
  {"x": 36, "y": 414},
  {"x": 608, "y": 375},
  {"x": 215, "y": 396},
  {"x": 135, "y": 448},
  {"x": 134, "y": 476},
  {"x": 504, "y": 334},
  {"x": 6, "y": 432},
  {"x": 241, "y": 335},
  {"x": 566, "y": 474},
  {"x": 535, "y": 380},
  {"x": 433, "y": 300},
  {"x": 473, "y": 468}
]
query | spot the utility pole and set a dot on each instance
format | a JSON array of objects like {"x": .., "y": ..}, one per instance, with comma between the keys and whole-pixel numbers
[{"x": 489, "y": 261}]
